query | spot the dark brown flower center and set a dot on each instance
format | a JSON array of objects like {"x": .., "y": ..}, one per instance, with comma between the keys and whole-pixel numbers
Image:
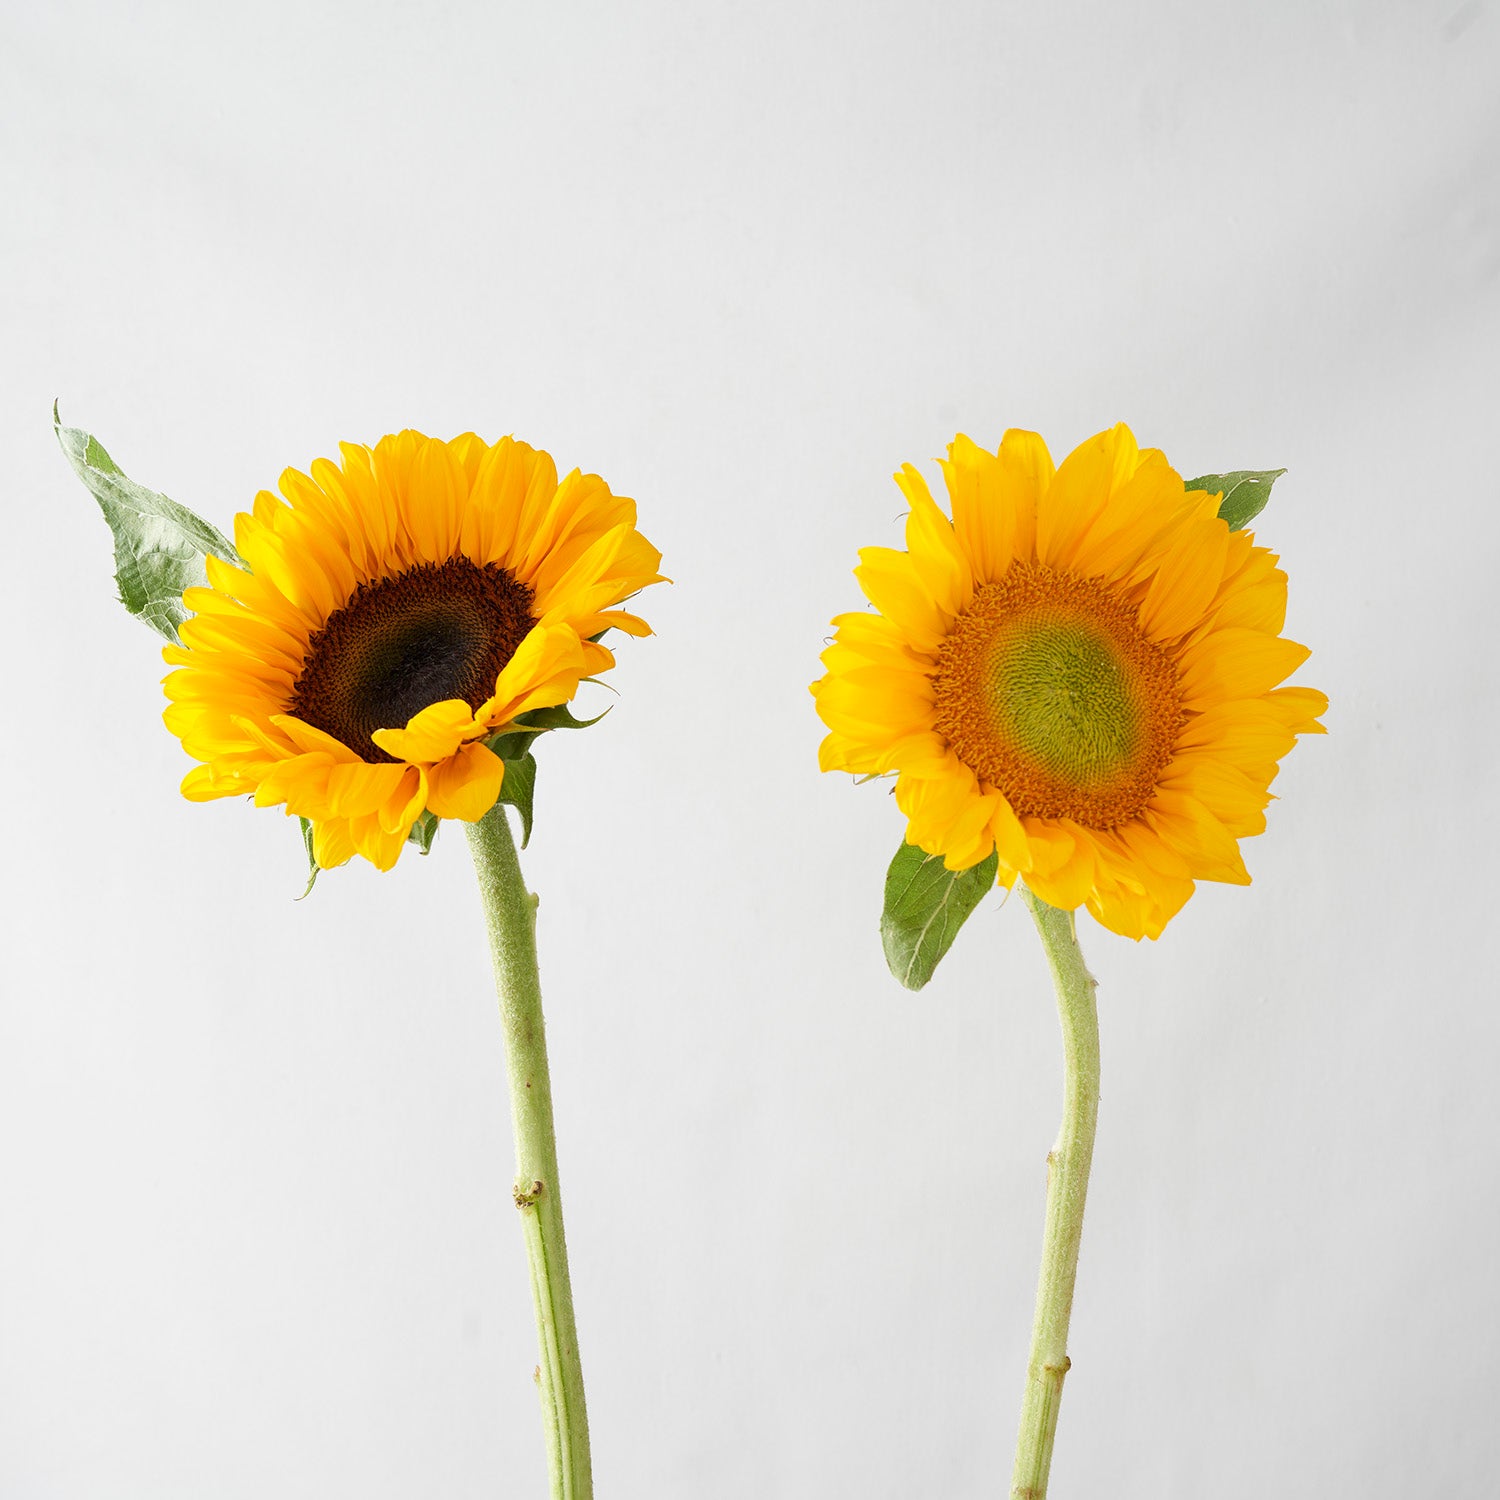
[{"x": 434, "y": 632}]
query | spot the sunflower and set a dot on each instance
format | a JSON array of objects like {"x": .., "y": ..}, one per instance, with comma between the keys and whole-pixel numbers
[
  {"x": 393, "y": 613},
  {"x": 1079, "y": 671}
]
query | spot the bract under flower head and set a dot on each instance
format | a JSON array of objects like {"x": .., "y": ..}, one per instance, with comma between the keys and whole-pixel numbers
[
  {"x": 395, "y": 610},
  {"x": 1079, "y": 670}
]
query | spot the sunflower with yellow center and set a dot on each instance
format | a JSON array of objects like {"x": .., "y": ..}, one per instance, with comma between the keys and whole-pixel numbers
[
  {"x": 394, "y": 612},
  {"x": 1080, "y": 671}
]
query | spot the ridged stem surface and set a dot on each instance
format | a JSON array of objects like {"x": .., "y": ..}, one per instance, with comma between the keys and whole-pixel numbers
[
  {"x": 1067, "y": 1187},
  {"x": 510, "y": 917}
]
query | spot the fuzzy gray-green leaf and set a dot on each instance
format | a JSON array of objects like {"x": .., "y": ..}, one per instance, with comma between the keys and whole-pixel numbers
[
  {"x": 925, "y": 905},
  {"x": 1245, "y": 493},
  {"x": 159, "y": 545}
]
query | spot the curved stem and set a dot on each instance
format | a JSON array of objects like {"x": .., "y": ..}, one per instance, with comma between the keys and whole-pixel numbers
[
  {"x": 1067, "y": 1187},
  {"x": 510, "y": 917}
]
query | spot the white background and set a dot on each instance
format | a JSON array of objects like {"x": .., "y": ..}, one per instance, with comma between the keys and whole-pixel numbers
[{"x": 743, "y": 261}]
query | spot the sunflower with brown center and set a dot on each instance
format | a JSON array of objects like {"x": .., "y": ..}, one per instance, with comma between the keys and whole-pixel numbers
[
  {"x": 395, "y": 611},
  {"x": 1080, "y": 671}
]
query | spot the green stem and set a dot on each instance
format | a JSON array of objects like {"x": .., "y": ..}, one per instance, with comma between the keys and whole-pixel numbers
[
  {"x": 510, "y": 916},
  {"x": 1067, "y": 1187}
]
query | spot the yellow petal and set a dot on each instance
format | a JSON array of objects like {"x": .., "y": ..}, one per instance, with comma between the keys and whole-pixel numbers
[
  {"x": 301, "y": 783},
  {"x": 1185, "y": 825},
  {"x": 984, "y": 509},
  {"x": 1186, "y": 580},
  {"x": 1300, "y": 708},
  {"x": 306, "y": 738},
  {"x": 204, "y": 784},
  {"x": 1139, "y": 914},
  {"x": 1010, "y": 837},
  {"x": 1063, "y": 861},
  {"x": 1137, "y": 524},
  {"x": 893, "y": 585},
  {"x": 496, "y": 501},
  {"x": 358, "y": 789},
  {"x": 402, "y": 808},
  {"x": 1080, "y": 490},
  {"x": 617, "y": 619},
  {"x": 332, "y": 845},
  {"x": 544, "y": 672},
  {"x": 466, "y": 785},
  {"x": 437, "y": 731},
  {"x": 1235, "y": 664},
  {"x": 378, "y": 845},
  {"x": 1026, "y": 475},
  {"x": 936, "y": 557}
]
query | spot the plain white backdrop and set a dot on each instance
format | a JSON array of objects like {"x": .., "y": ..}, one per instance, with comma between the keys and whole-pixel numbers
[{"x": 744, "y": 261}]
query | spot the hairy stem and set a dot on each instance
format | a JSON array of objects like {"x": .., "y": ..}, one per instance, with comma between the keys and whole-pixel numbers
[
  {"x": 1067, "y": 1187},
  {"x": 510, "y": 917}
]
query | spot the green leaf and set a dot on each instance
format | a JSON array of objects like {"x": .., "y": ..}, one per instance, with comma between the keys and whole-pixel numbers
[
  {"x": 1245, "y": 493},
  {"x": 925, "y": 905},
  {"x": 314, "y": 869},
  {"x": 159, "y": 544},
  {"x": 518, "y": 788},
  {"x": 560, "y": 717},
  {"x": 514, "y": 743},
  {"x": 424, "y": 830}
]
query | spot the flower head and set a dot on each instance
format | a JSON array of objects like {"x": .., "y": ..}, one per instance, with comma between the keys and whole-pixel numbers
[
  {"x": 395, "y": 611},
  {"x": 1079, "y": 671}
]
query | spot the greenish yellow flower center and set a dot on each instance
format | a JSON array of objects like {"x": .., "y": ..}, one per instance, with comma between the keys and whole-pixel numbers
[
  {"x": 1048, "y": 689},
  {"x": 400, "y": 644},
  {"x": 1061, "y": 695}
]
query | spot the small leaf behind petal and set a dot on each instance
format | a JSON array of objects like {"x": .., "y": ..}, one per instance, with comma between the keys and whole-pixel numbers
[
  {"x": 529, "y": 727},
  {"x": 159, "y": 544},
  {"x": 925, "y": 905},
  {"x": 424, "y": 830},
  {"x": 1245, "y": 493},
  {"x": 560, "y": 717},
  {"x": 518, "y": 788},
  {"x": 314, "y": 869}
]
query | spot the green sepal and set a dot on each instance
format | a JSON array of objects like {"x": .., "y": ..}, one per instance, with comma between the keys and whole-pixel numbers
[
  {"x": 529, "y": 727},
  {"x": 518, "y": 788},
  {"x": 314, "y": 869},
  {"x": 558, "y": 717},
  {"x": 1245, "y": 493},
  {"x": 513, "y": 744},
  {"x": 925, "y": 905},
  {"x": 424, "y": 830},
  {"x": 514, "y": 748},
  {"x": 159, "y": 545}
]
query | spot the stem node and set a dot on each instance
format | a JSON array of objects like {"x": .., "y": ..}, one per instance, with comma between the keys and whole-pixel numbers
[
  {"x": 526, "y": 1197},
  {"x": 510, "y": 917}
]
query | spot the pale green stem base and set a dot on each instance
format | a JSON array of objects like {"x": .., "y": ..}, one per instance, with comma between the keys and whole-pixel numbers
[
  {"x": 510, "y": 916},
  {"x": 1067, "y": 1187}
]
